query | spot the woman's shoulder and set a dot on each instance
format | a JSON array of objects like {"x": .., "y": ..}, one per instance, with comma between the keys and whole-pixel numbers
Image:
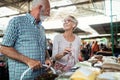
[
  {"x": 77, "y": 38},
  {"x": 58, "y": 36}
]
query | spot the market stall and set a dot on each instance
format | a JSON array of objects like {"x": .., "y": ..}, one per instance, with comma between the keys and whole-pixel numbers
[{"x": 97, "y": 68}]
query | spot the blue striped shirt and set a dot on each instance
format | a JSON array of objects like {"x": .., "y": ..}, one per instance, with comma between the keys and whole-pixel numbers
[{"x": 28, "y": 39}]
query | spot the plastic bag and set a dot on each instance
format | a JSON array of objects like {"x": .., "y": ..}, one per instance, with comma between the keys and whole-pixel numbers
[{"x": 71, "y": 62}]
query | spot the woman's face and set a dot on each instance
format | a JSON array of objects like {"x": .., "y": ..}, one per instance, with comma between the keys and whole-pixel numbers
[{"x": 68, "y": 24}]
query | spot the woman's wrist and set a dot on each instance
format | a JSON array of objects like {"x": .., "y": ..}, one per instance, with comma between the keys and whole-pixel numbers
[{"x": 63, "y": 54}]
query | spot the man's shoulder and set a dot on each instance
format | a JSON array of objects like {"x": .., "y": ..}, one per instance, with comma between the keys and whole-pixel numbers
[{"x": 18, "y": 18}]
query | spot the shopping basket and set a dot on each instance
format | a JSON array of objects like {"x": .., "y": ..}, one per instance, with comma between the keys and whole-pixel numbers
[{"x": 44, "y": 65}]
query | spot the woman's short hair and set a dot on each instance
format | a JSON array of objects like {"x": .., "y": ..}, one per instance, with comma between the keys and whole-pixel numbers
[{"x": 74, "y": 20}]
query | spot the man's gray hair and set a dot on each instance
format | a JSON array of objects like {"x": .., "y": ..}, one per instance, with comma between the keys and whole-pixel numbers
[{"x": 36, "y": 2}]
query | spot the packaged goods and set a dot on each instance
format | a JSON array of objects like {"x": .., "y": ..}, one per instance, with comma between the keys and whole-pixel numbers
[
  {"x": 85, "y": 73},
  {"x": 109, "y": 76}
]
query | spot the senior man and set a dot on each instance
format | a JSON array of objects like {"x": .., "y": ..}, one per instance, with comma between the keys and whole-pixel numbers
[{"x": 24, "y": 42}]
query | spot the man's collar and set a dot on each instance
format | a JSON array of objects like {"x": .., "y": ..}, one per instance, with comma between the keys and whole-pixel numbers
[{"x": 32, "y": 19}]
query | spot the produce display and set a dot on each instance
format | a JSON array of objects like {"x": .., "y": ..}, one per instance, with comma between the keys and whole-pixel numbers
[{"x": 101, "y": 68}]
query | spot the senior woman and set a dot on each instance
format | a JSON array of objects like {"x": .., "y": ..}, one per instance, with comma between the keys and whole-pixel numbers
[{"x": 66, "y": 46}]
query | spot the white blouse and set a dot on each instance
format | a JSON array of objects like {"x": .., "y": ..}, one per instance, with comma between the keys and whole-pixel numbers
[{"x": 60, "y": 43}]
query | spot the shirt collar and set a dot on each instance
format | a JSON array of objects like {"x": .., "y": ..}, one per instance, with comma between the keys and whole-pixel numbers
[{"x": 31, "y": 18}]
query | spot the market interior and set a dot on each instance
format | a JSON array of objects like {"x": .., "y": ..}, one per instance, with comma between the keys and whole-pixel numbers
[{"x": 98, "y": 21}]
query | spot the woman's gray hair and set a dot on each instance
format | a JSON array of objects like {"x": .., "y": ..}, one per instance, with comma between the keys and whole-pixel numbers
[{"x": 75, "y": 21}]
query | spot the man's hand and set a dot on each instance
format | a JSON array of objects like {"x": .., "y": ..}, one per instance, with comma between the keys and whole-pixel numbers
[
  {"x": 48, "y": 62},
  {"x": 34, "y": 64}
]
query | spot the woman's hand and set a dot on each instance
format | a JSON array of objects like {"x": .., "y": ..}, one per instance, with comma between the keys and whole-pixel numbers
[
  {"x": 62, "y": 54},
  {"x": 67, "y": 51}
]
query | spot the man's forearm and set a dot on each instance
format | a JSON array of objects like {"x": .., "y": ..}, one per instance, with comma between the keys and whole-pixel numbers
[{"x": 12, "y": 53}]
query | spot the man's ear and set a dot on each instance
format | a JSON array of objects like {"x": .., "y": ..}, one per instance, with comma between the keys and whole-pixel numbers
[{"x": 40, "y": 6}]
